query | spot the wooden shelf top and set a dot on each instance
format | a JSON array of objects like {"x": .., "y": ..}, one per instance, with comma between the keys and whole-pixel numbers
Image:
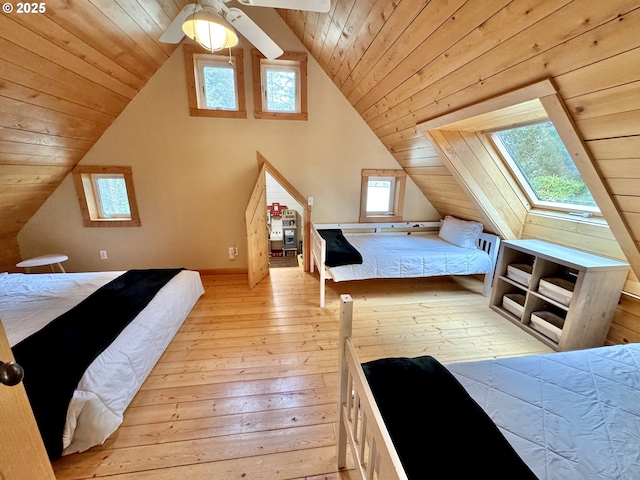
[{"x": 568, "y": 256}]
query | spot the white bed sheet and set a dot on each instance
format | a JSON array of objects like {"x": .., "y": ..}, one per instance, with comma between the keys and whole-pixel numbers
[
  {"x": 398, "y": 255},
  {"x": 569, "y": 415},
  {"x": 28, "y": 302}
]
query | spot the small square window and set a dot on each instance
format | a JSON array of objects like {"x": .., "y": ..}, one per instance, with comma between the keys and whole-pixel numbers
[
  {"x": 216, "y": 83},
  {"x": 111, "y": 195},
  {"x": 382, "y": 195},
  {"x": 106, "y": 196},
  {"x": 280, "y": 86}
]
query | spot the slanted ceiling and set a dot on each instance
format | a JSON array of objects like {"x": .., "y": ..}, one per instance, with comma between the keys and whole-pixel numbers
[
  {"x": 65, "y": 75},
  {"x": 403, "y": 62}
]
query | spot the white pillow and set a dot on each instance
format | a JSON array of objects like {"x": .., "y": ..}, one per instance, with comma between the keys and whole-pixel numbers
[{"x": 462, "y": 233}]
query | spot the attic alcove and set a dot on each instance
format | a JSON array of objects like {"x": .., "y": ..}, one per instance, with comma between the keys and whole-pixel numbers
[{"x": 460, "y": 138}]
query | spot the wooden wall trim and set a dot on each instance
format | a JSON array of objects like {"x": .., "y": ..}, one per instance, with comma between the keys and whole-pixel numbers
[
  {"x": 473, "y": 188},
  {"x": 514, "y": 97},
  {"x": 222, "y": 271},
  {"x": 567, "y": 130}
]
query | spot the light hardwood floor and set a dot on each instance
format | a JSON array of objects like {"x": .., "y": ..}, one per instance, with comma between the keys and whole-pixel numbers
[{"x": 248, "y": 387}]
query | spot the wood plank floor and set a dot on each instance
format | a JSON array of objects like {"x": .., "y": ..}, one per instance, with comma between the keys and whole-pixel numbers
[{"x": 248, "y": 387}]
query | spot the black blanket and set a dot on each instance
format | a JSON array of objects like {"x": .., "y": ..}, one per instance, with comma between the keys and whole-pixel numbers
[
  {"x": 339, "y": 250},
  {"x": 438, "y": 430},
  {"x": 55, "y": 358}
]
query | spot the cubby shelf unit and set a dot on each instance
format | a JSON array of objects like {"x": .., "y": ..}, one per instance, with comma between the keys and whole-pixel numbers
[{"x": 598, "y": 285}]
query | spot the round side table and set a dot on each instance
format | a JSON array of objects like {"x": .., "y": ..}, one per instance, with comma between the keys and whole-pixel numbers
[{"x": 52, "y": 259}]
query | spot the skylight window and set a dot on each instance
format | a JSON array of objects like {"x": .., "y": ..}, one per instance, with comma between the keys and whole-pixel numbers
[{"x": 541, "y": 163}]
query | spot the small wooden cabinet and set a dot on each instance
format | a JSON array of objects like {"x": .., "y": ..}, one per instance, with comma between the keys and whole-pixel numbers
[{"x": 583, "y": 317}]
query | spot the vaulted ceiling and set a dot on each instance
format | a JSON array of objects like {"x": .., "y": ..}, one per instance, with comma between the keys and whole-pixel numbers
[
  {"x": 65, "y": 75},
  {"x": 401, "y": 63}
]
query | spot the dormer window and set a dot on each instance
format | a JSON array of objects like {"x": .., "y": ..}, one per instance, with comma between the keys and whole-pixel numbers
[{"x": 540, "y": 162}]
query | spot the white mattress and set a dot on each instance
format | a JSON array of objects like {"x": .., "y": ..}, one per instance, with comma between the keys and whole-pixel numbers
[
  {"x": 398, "y": 255},
  {"x": 569, "y": 415},
  {"x": 28, "y": 302}
]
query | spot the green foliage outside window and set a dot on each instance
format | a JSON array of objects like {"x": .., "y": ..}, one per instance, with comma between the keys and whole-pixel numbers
[
  {"x": 113, "y": 197},
  {"x": 219, "y": 87},
  {"x": 281, "y": 91},
  {"x": 541, "y": 157}
]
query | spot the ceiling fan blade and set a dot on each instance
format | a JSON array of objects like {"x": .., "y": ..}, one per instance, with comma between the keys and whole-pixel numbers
[
  {"x": 252, "y": 32},
  {"x": 322, "y": 6},
  {"x": 174, "y": 33}
]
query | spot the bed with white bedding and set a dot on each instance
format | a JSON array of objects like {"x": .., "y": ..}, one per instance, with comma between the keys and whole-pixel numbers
[
  {"x": 29, "y": 302},
  {"x": 570, "y": 414},
  {"x": 398, "y": 255},
  {"x": 567, "y": 415},
  {"x": 404, "y": 250}
]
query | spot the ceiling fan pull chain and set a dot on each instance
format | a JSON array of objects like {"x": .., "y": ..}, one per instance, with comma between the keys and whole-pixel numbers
[{"x": 230, "y": 57}]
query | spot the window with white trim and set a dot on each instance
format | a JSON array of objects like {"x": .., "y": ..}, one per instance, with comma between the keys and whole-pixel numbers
[
  {"x": 112, "y": 200},
  {"x": 280, "y": 86},
  {"x": 541, "y": 164},
  {"x": 216, "y": 82}
]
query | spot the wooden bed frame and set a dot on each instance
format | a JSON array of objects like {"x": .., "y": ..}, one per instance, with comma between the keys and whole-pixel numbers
[
  {"x": 487, "y": 242},
  {"x": 360, "y": 422},
  {"x": 361, "y": 426}
]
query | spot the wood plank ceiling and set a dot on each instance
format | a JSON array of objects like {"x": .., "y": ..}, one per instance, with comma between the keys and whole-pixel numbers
[
  {"x": 402, "y": 62},
  {"x": 65, "y": 75}
]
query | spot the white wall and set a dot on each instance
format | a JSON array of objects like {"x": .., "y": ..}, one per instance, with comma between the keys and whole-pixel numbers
[
  {"x": 193, "y": 175},
  {"x": 277, "y": 194}
]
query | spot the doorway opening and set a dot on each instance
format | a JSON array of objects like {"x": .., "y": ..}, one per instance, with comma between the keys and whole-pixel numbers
[
  {"x": 285, "y": 220},
  {"x": 257, "y": 217}
]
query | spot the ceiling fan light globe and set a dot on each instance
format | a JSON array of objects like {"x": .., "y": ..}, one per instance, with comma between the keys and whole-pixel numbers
[
  {"x": 214, "y": 37},
  {"x": 210, "y": 31}
]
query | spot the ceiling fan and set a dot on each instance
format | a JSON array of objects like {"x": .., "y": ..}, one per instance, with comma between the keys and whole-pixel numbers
[{"x": 215, "y": 13}]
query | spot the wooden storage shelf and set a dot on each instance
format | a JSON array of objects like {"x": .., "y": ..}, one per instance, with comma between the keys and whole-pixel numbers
[{"x": 598, "y": 285}]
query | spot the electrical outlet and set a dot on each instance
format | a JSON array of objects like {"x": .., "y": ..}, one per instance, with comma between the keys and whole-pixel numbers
[
  {"x": 103, "y": 254},
  {"x": 231, "y": 251}
]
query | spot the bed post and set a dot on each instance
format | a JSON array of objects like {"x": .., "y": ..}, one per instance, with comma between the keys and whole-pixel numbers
[
  {"x": 346, "y": 322},
  {"x": 318, "y": 257},
  {"x": 492, "y": 248},
  {"x": 323, "y": 284}
]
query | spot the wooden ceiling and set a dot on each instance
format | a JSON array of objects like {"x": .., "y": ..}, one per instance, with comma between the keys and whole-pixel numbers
[
  {"x": 65, "y": 75},
  {"x": 403, "y": 62}
]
